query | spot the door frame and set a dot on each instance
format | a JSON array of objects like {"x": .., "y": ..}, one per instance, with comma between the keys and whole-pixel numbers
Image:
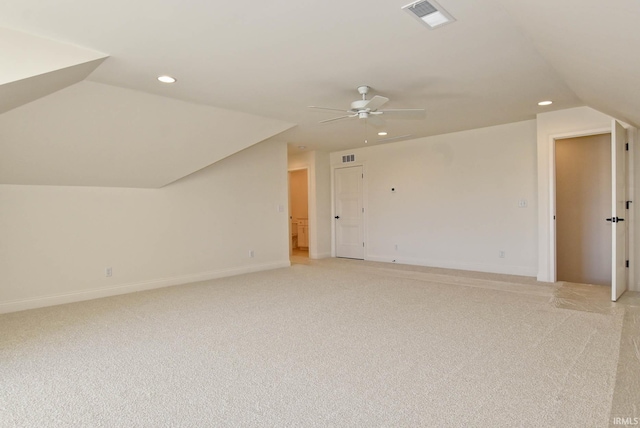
[
  {"x": 553, "y": 271},
  {"x": 365, "y": 205},
  {"x": 289, "y": 170}
]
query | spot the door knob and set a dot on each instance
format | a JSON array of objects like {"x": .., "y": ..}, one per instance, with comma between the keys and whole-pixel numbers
[{"x": 337, "y": 216}]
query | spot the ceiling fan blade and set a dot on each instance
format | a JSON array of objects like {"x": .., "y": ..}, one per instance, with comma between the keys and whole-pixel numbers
[
  {"x": 330, "y": 109},
  {"x": 388, "y": 140},
  {"x": 337, "y": 118},
  {"x": 375, "y": 103},
  {"x": 404, "y": 113}
]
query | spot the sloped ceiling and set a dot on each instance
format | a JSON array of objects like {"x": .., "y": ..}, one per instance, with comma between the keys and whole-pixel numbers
[
  {"x": 92, "y": 134},
  {"x": 33, "y": 67},
  {"x": 270, "y": 60},
  {"x": 593, "y": 46},
  {"x": 57, "y": 129},
  {"x": 23, "y": 91}
]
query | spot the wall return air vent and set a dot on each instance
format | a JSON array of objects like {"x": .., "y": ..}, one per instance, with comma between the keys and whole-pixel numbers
[
  {"x": 430, "y": 13},
  {"x": 348, "y": 158}
]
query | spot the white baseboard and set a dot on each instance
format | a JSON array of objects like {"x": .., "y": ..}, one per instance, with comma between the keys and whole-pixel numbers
[
  {"x": 320, "y": 255},
  {"x": 78, "y": 296},
  {"x": 478, "y": 267}
]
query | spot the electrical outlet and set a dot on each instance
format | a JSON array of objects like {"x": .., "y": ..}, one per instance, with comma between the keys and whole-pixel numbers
[
  {"x": 522, "y": 203},
  {"x": 252, "y": 254},
  {"x": 108, "y": 272},
  {"x": 501, "y": 254},
  {"x": 396, "y": 247}
]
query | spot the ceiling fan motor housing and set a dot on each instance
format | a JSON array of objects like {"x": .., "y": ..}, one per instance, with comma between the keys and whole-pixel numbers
[{"x": 359, "y": 105}]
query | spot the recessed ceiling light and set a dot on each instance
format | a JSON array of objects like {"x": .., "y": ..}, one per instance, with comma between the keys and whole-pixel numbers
[
  {"x": 302, "y": 147},
  {"x": 429, "y": 13},
  {"x": 167, "y": 79},
  {"x": 545, "y": 103},
  {"x": 382, "y": 133}
]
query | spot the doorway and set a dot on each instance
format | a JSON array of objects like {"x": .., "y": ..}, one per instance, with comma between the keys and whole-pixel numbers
[
  {"x": 299, "y": 214},
  {"x": 618, "y": 215},
  {"x": 583, "y": 203}
]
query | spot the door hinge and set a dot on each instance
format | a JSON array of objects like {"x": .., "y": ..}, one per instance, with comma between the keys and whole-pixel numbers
[
  {"x": 627, "y": 204},
  {"x": 363, "y": 244},
  {"x": 626, "y": 146},
  {"x": 627, "y": 263},
  {"x": 362, "y": 175},
  {"x": 363, "y": 209}
]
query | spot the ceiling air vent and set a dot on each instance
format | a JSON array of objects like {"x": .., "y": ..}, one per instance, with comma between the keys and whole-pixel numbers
[
  {"x": 348, "y": 158},
  {"x": 429, "y": 13}
]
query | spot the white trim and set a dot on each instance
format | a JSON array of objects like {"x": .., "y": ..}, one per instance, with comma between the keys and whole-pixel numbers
[
  {"x": 78, "y": 296},
  {"x": 529, "y": 271},
  {"x": 632, "y": 134},
  {"x": 320, "y": 256}
]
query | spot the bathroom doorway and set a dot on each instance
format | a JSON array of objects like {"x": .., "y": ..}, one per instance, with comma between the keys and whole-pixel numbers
[{"x": 299, "y": 214}]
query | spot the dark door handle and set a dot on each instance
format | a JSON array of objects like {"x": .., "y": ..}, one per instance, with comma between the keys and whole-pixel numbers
[
  {"x": 337, "y": 216},
  {"x": 615, "y": 219}
]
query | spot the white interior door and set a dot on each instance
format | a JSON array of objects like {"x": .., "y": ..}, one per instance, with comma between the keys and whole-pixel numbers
[
  {"x": 349, "y": 219},
  {"x": 618, "y": 216}
]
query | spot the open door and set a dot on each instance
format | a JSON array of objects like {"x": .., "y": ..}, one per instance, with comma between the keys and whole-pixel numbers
[{"x": 618, "y": 223}]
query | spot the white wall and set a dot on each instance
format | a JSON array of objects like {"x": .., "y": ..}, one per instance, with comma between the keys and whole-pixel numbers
[
  {"x": 317, "y": 163},
  {"x": 55, "y": 242},
  {"x": 456, "y": 199},
  {"x": 322, "y": 188}
]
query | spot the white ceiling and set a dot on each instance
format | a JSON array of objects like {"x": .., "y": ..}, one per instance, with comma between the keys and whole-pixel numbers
[
  {"x": 33, "y": 67},
  {"x": 273, "y": 59},
  {"x": 93, "y": 134}
]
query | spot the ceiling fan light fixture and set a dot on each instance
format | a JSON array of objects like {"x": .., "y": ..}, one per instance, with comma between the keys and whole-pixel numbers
[{"x": 429, "y": 13}]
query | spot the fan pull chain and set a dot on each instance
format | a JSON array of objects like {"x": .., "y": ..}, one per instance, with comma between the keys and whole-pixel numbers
[{"x": 365, "y": 129}]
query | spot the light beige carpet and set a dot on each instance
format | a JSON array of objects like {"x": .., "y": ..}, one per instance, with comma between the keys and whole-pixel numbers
[{"x": 331, "y": 343}]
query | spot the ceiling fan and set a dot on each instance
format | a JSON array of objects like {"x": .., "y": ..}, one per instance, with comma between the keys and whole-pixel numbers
[{"x": 369, "y": 109}]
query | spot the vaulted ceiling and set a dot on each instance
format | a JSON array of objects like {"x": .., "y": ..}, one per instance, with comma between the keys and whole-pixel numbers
[{"x": 248, "y": 70}]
